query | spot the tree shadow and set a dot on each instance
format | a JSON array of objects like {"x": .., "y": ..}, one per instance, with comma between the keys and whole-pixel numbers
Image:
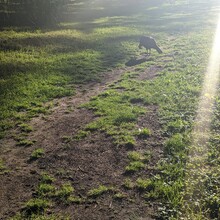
[{"x": 147, "y": 17}]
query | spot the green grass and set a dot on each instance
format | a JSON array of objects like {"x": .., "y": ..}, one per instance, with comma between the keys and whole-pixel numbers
[
  {"x": 144, "y": 132},
  {"x": 47, "y": 179},
  {"x": 99, "y": 191},
  {"x": 135, "y": 156},
  {"x": 33, "y": 72},
  {"x": 128, "y": 184},
  {"x": 25, "y": 127},
  {"x": 119, "y": 196},
  {"x": 175, "y": 91},
  {"x": 25, "y": 143},
  {"x": 45, "y": 189},
  {"x": 65, "y": 191},
  {"x": 41, "y": 65},
  {"x": 81, "y": 135},
  {"x": 3, "y": 168},
  {"x": 40, "y": 217},
  {"x": 36, "y": 154},
  {"x": 143, "y": 184},
  {"x": 135, "y": 166},
  {"x": 137, "y": 161},
  {"x": 66, "y": 139},
  {"x": 47, "y": 195},
  {"x": 35, "y": 206},
  {"x": 74, "y": 200}
]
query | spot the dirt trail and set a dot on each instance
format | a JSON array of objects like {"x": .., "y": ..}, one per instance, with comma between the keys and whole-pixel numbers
[{"x": 87, "y": 163}]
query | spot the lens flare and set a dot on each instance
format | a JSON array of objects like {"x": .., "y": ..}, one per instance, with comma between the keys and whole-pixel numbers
[{"x": 196, "y": 167}]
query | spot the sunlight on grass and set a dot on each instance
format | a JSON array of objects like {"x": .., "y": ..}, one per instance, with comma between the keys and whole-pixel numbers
[{"x": 197, "y": 167}]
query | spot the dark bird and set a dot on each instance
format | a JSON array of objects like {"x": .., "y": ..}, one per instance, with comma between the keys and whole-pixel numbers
[{"x": 149, "y": 43}]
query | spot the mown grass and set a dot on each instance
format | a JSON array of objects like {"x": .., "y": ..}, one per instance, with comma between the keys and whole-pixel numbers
[{"x": 39, "y": 66}]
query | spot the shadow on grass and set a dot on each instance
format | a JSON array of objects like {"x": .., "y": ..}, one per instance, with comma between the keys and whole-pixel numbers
[{"x": 136, "y": 61}]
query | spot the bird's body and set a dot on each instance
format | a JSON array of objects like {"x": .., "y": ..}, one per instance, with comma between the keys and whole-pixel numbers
[{"x": 149, "y": 43}]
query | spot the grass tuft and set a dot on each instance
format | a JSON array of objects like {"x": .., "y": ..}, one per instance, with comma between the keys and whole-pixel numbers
[
  {"x": 99, "y": 191},
  {"x": 36, "y": 154}
]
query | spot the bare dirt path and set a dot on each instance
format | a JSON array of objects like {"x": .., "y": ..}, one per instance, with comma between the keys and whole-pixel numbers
[{"x": 86, "y": 163}]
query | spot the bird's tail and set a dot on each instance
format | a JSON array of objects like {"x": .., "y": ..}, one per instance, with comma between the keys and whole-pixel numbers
[{"x": 158, "y": 49}]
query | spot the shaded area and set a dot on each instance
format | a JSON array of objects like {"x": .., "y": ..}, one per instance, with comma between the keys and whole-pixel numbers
[{"x": 136, "y": 61}]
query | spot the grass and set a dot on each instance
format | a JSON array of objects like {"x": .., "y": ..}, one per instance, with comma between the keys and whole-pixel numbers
[
  {"x": 47, "y": 194},
  {"x": 176, "y": 91},
  {"x": 137, "y": 161},
  {"x": 35, "y": 206},
  {"x": 40, "y": 217},
  {"x": 36, "y": 154},
  {"x": 66, "y": 139},
  {"x": 143, "y": 184},
  {"x": 25, "y": 127},
  {"x": 119, "y": 196},
  {"x": 144, "y": 133},
  {"x": 128, "y": 184},
  {"x": 135, "y": 166},
  {"x": 45, "y": 189},
  {"x": 65, "y": 191},
  {"x": 45, "y": 67},
  {"x": 25, "y": 143},
  {"x": 47, "y": 179},
  {"x": 135, "y": 156},
  {"x": 99, "y": 191},
  {"x": 82, "y": 134},
  {"x": 3, "y": 168},
  {"x": 38, "y": 66}
]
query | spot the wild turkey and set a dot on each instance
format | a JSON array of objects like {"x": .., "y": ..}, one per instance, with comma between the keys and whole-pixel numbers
[{"x": 149, "y": 43}]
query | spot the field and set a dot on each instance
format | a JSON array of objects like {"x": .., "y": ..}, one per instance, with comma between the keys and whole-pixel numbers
[{"x": 92, "y": 127}]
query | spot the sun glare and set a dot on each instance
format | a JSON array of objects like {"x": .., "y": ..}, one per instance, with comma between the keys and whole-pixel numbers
[
  {"x": 196, "y": 168},
  {"x": 210, "y": 84}
]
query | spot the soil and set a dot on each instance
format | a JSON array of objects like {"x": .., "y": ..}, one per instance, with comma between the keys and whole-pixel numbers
[{"x": 86, "y": 164}]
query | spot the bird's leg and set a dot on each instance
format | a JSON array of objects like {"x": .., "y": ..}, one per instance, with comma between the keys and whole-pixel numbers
[{"x": 147, "y": 51}]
